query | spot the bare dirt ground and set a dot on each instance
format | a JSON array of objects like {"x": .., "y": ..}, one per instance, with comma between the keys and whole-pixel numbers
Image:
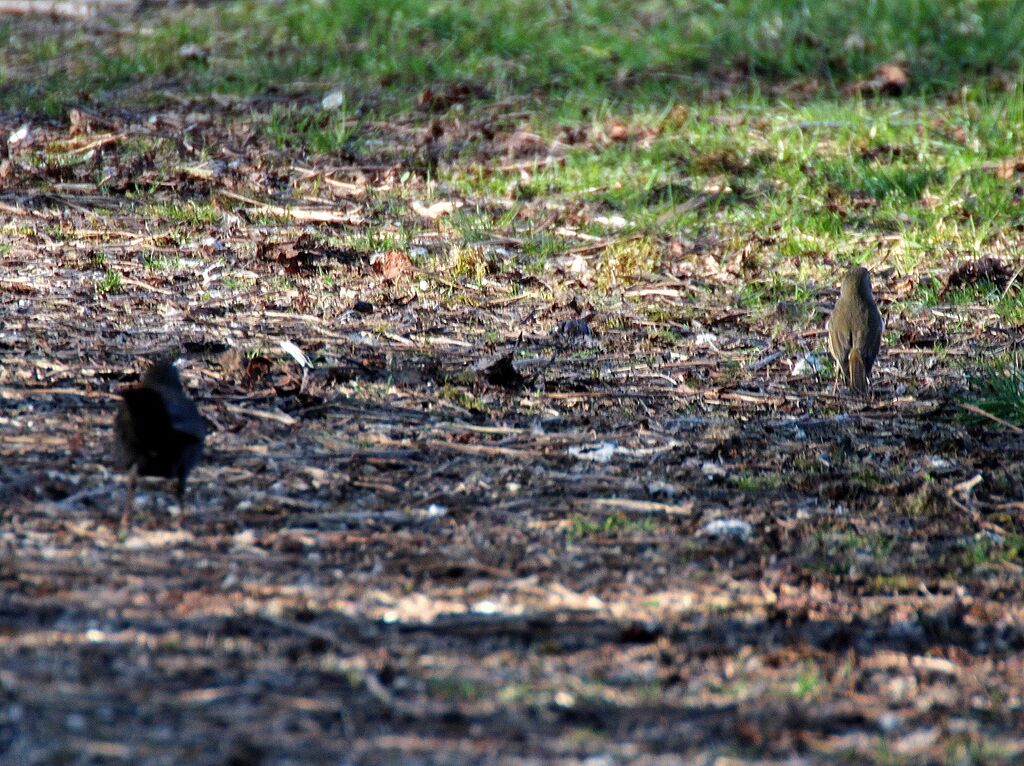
[{"x": 418, "y": 553}]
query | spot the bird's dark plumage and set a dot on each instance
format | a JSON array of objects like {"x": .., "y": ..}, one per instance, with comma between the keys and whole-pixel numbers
[
  {"x": 855, "y": 330},
  {"x": 159, "y": 429}
]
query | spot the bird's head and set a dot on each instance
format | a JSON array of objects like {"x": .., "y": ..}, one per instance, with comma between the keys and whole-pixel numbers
[
  {"x": 857, "y": 281},
  {"x": 161, "y": 374}
]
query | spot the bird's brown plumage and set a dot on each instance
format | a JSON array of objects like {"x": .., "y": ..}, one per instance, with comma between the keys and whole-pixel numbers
[{"x": 855, "y": 330}]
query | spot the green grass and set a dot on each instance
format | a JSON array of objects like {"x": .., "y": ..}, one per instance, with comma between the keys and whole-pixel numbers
[
  {"x": 825, "y": 196},
  {"x": 782, "y": 189},
  {"x": 581, "y": 527},
  {"x": 457, "y": 688},
  {"x": 233, "y": 282},
  {"x": 983, "y": 550},
  {"x": 1007, "y": 303},
  {"x": 190, "y": 213},
  {"x": 837, "y": 551},
  {"x": 757, "y": 483},
  {"x": 462, "y": 398},
  {"x": 592, "y": 49},
  {"x": 999, "y": 388},
  {"x": 110, "y": 282},
  {"x": 800, "y": 185},
  {"x": 808, "y": 683},
  {"x": 155, "y": 262},
  {"x": 317, "y": 131}
]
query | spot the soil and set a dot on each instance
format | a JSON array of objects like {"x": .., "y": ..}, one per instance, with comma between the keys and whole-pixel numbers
[{"x": 476, "y": 528}]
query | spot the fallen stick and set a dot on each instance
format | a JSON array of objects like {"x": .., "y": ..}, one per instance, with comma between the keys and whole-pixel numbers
[
  {"x": 979, "y": 411},
  {"x": 303, "y": 214}
]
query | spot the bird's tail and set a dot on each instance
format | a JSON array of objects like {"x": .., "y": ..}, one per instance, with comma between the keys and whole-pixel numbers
[{"x": 858, "y": 373}]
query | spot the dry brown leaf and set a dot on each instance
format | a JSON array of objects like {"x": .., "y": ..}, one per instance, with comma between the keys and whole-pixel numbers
[
  {"x": 618, "y": 132},
  {"x": 392, "y": 265},
  {"x": 888, "y": 80},
  {"x": 256, "y": 368},
  {"x": 295, "y": 256},
  {"x": 304, "y": 254},
  {"x": 523, "y": 143},
  {"x": 80, "y": 123},
  {"x": 84, "y": 122},
  {"x": 441, "y": 97},
  {"x": 1007, "y": 169},
  {"x": 971, "y": 273}
]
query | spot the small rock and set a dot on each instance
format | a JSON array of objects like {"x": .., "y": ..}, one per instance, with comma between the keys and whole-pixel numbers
[
  {"x": 601, "y": 452},
  {"x": 713, "y": 471},
  {"x": 244, "y": 539},
  {"x": 612, "y": 221},
  {"x": 18, "y": 136},
  {"x": 728, "y": 529},
  {"x": 808, "y": 364},
  {"x": 333, "y": 100},
  {"x": 889, "y": 722},
  {"x": 578, "y": 265},
  {"x": 662, "y": 489},
  {"x": 564, "y": 699},
  {"x": 992, "y": 538},
  {"x": 486, "y": 607},
  {"x": 193, "y": 52},
  {"x": 939, "y": 466}
]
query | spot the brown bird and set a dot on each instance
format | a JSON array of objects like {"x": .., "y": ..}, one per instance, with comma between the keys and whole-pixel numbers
[
  {"x": 159, "y": 431},
  {"x": 855, "y": 331}
]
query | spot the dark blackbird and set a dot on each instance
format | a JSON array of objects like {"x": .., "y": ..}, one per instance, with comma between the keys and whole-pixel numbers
[
  {"x": 159, "y": 430},
  {"x": 855, "y": 331}
]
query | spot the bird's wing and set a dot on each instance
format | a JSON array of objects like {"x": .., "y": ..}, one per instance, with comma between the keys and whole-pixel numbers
[
  {"x": 836, "y": 347},
  {"x": 144, "y": 405},
  {"x": 183, "y": 414}
]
